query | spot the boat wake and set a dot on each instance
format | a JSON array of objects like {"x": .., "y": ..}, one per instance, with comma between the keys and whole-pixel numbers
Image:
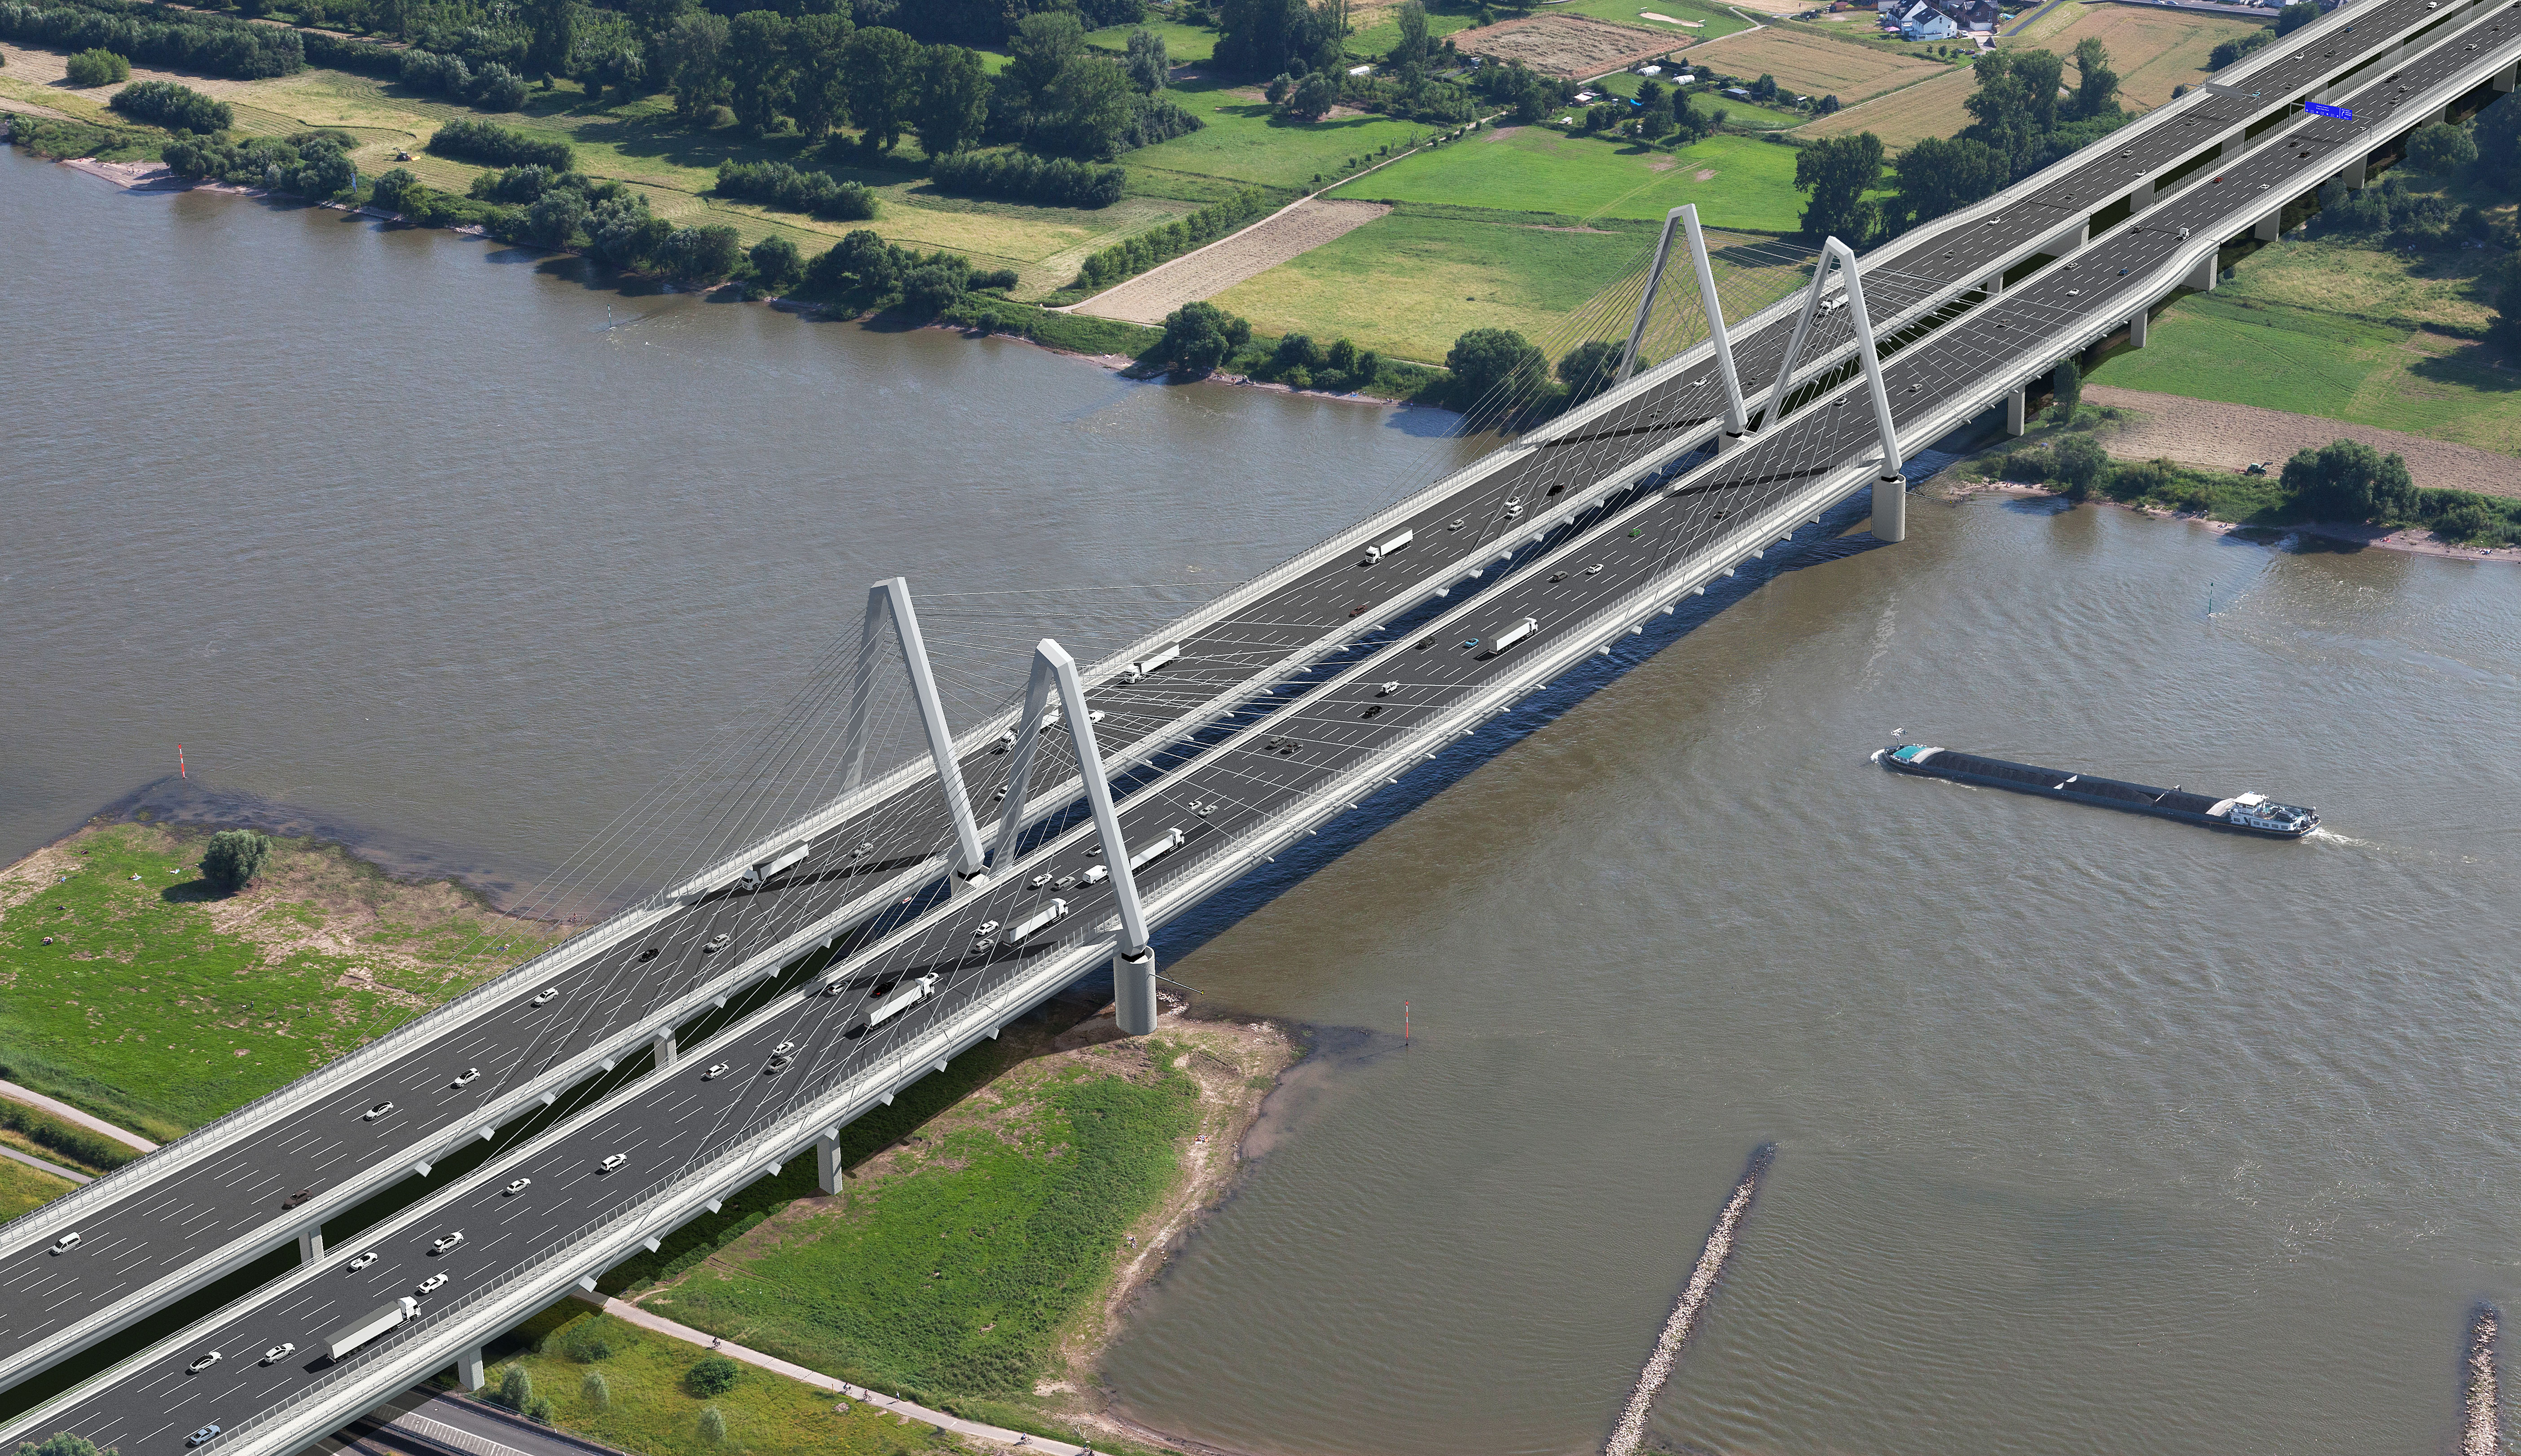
[{"x": 1630, "y": 1432}]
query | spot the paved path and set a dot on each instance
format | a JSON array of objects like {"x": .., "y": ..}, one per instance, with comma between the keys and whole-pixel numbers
[
  {"x": 821, "y": 1382},
  {"x": 70, "y": 1114},
  {"x": 54, "y": 1168}
]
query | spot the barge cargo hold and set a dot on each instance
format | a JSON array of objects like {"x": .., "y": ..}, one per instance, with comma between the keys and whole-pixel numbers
[{"x": 2250, "y": 813}]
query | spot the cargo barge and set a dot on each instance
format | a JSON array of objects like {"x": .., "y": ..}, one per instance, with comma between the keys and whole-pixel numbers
[{"x": 2250, "y": 813}]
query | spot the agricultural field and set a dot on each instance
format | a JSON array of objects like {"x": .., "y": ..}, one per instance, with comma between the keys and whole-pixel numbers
[
  {"x": 161, "y": 1004},
  {"x": 1684, "y": 21},
  {"x": 2344, "y": 333},
  {"x": 1246, "y": 140},
  {"x": 1932, "y": 108},
  {"x": 1571, "y": 47},
  {"x": 1737, "y": 182},
  {"x": 1817, "y": 65},
  {"x": 1411, "y": 282},
  {"x": 2152, "y": 50}
]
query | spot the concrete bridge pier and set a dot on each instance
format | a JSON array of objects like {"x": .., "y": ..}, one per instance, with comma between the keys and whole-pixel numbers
[
  {"x": 1995, "y": 284},
  {"x": 2231, "y": 145},
  {"x": 2356, "y": 174},
  {"x": 2017, "y": 410},
  {"x": 2137, "y": 323},
  {"x": 1133, "y": 991},
  {"x": 2271, "y": 227},
  {"x": 468, "y": 1368},
  {"x": 2071, "y": 239},
  {"x": 2504, "y": 78},
  {"x": 827, "y": 1160},
  {"x": 310, "y": 1244},
  {"x": 665, "y": 1049},
  {"x": 2141, "y": 195},
  {"x": 2201, "y": 279}
]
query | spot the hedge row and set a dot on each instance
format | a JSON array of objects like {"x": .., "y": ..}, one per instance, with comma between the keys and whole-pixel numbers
[
  {"x": 493, "y": 145},
  {"x": 215, "y": 44},
  {"x": 1173, "y": 240},
  {"x": 776, "y": 184},
  {"x": 1055, "y": 181},
  {"x": 177, "y": 107}
]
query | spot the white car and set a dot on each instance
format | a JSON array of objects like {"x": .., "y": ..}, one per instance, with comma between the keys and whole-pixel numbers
[
  {"x": 721, "y": 942},
  {"x": 67, "y": 1242},
  {"x": 783, "y": 1049},
  {"x": 545, "y": 998},
  {"x": 374, "y": 1112},
  {"x": 203, "y": 1435},
  {"x": 466, "y": 1079},
  {"x": 431, "y": 1283},
  {"x": 1595, "y": 567},
  {"x": 517, "y": 1187},
  {"x": 613, "y": 1160},
  {"x": 987, "y": 927},
  {"x": 1387, "y": 690},
  {"x": 1039, "y": 881},
  {"x": 280, "y": 1351},
  {"x": 865, "y": 846},
  {"x": 362, "y": 1261},
  {"x": 203, "y": 1363},
  {"x": 716, "y": 1071},
  {"x": 446, "y": 1242}
]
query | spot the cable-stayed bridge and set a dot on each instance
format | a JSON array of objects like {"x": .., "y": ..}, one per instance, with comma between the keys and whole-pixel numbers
[{"x": 934, "y": 900}]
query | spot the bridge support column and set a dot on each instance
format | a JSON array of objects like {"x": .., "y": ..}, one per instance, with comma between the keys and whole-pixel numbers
[
  {"x": 2201, "y": 279},
  {"x": 2137, "y": 323},
  {"x": 2271, "y": 227},
  {"x": 827, "y": 1160},
  {"x": 2231, "y": 145},
  {"x": 468, "y": 1368},
  {"x": 664, "y": 1045},
  {"x": 2356, "y": 174},
  {"x": 1995, "y": 284},
  {"x": 2141, "y": 195},
  {"x": 2504, "y": 78},
  {"x": 2017, "y": 409},
  {"x": 1133, "y": 991},
  {"x": 892, "y": 598},
  {"x": 310, "y": 1244},
  {"x": 2068, "y": 241}
]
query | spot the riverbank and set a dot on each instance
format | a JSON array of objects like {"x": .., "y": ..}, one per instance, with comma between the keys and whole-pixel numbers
[
  {"x": 142, "y": 995},
  {"x": 2413, "y": 540}
]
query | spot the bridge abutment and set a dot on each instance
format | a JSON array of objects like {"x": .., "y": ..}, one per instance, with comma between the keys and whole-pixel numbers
[{"x": 1133, "y": 990}]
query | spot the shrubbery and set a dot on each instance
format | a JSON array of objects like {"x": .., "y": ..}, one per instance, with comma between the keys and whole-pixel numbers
[
  {"x": 864, "y": 268},
  {"x": 1173, "y": 240},
  {"x": 712, "y": 1374},
  {"x": 493, "y": 145},
  {"x": 776, "y": 184},
  {"x": 233, "y": 857},
  {"x": 493, "y": 88},
  {"x": 177, "y": 107},
  {"x": 70, "y": 1142},
  {"x": 314, "y": 164},
  {"x": 140, "y": 32},
  {"x": 1054, "y": 181},
  {"x": 97, "y": 67}
]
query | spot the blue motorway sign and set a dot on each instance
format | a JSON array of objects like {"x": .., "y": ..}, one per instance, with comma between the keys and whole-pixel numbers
[{"x": 2321, "y": 109}]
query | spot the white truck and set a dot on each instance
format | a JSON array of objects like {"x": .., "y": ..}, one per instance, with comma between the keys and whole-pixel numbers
[
  {"x": 902, "y": 1000},
  {"x": 758, "y": 875},
  {"x": 1150, "y": 662},
  {"x": 1042, "y": 919},
  {"x": 1165, "y": 844},
  {"x": 1514, "y": 634},
  {"x": 1382, "y": 549},
  {"x": 361, "y": 1331}
]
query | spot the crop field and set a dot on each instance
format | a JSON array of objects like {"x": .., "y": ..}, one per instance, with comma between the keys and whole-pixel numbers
[
  {"x": 1684, "y": 21},
  {"x": 1817, "y": 65},
  {"x": 1245, "y": 140},
  {"x": 2151, "y": 50},
  {"x": 1931, "y": 108},
  {"x": 1737, "y": 182},
  {"x": 1567, "y": 46},
  {"x": 2393, "y": 373},
  {"x": 160, "y": 1004}
]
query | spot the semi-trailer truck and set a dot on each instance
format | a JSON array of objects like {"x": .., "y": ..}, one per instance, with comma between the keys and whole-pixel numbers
[{"x": 361, "y": 1331}]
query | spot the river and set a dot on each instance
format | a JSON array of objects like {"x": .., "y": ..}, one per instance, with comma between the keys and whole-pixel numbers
[{"x": 2093, "y": 1133}]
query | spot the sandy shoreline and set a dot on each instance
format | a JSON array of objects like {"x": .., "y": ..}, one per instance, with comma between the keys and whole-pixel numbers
[{"x": 2415, "y": 542}]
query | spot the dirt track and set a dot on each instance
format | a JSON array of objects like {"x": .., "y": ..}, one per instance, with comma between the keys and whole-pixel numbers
[
  {"x": 2228, "y": 436},
  {"x": 1220, "y": 265}
]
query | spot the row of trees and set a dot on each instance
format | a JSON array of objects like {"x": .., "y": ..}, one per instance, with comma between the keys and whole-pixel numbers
[
  {"x": 1158, "y": 245},
  {"x": 138, "y": 32},
  {"x": 174, "y": 107}
]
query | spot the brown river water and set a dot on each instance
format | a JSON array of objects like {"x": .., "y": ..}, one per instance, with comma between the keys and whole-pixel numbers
[{"x": 2093, "y": 1133}]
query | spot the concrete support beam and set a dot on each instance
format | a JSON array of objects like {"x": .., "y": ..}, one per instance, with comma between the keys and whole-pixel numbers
[
  {"x": 2137, "y": 325},
  {"x": 1133, "y": 991},
  {"x": 468, "y": 1368},
  {"x": 827, "y": 1162},
  {"x": 2202, "y": 278},
  {"x": 1995, "y": 284},
  {"x": 2503, "y": 79},
  {"x": 2017, "y": 410},
  {"x": 2141, "y": 195},
  {"x": 310, "y": 1245},
  {"x": 2356, "y": 174},
  {"x": 2231, "y": 145},
  {"x": 2268, "y": 228},
  {"x": 2071, "y": 239},
  {"x": 665, "y": 1049}
]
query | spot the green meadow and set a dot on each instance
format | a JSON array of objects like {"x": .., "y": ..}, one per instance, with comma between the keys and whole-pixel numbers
[{"x": 1737, "y": 182}]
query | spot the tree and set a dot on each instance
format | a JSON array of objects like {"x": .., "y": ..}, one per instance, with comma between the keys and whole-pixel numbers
[
  {"x": 1198, "y": 337},
  {"x": 930, "y": 289},
  {"x": 2349, "y": 480},
  {"x": 1264, "y": 37},
  {"x": 757, "y": 74},
  {"x": 1654, "y": 110},
  {"x": 2097, "y": 86},
  {"x": 1497, "y": 372},
  {"x": 2077, "y": 464},
  {"x": 2297, "y": 15},
  {"x": 776, "y": 263},
  {"x": 816, "y": 44},
  {"x": 1148, "y": 65},
  {"x": 878, "y": 69},
  {"x": 1090, "y": 106},
  {"x": 712, "y": 1374},
  {"x": 696, "y": 57},
  {"x": 1587, "y": 369},
  {"x": 515, "y": 1388},
  {"x": 233, "y": 858},
  {"x": 701, "y": 255},
  {"x": 953, "y": 100},
  {"x": 554, "y": 25},
  {"x": 1934, "y": 177},
  {"x": 1838, "y": 171},
  {"x": 98, "y": 66},
  {"x": 712, "y": 1426},
  {"x": 1040, "y": 51},
  {"x": 2501, "y": 285},
  {"x": 62, "y": 1443},
  {"x": 1313, "y": 97},
  {"x": 2441, "y": 150},
  {"x": 594, "y": 1391},
  {"x": 1414, "y": 48},
  {"x": 2066, "y": 381}
]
